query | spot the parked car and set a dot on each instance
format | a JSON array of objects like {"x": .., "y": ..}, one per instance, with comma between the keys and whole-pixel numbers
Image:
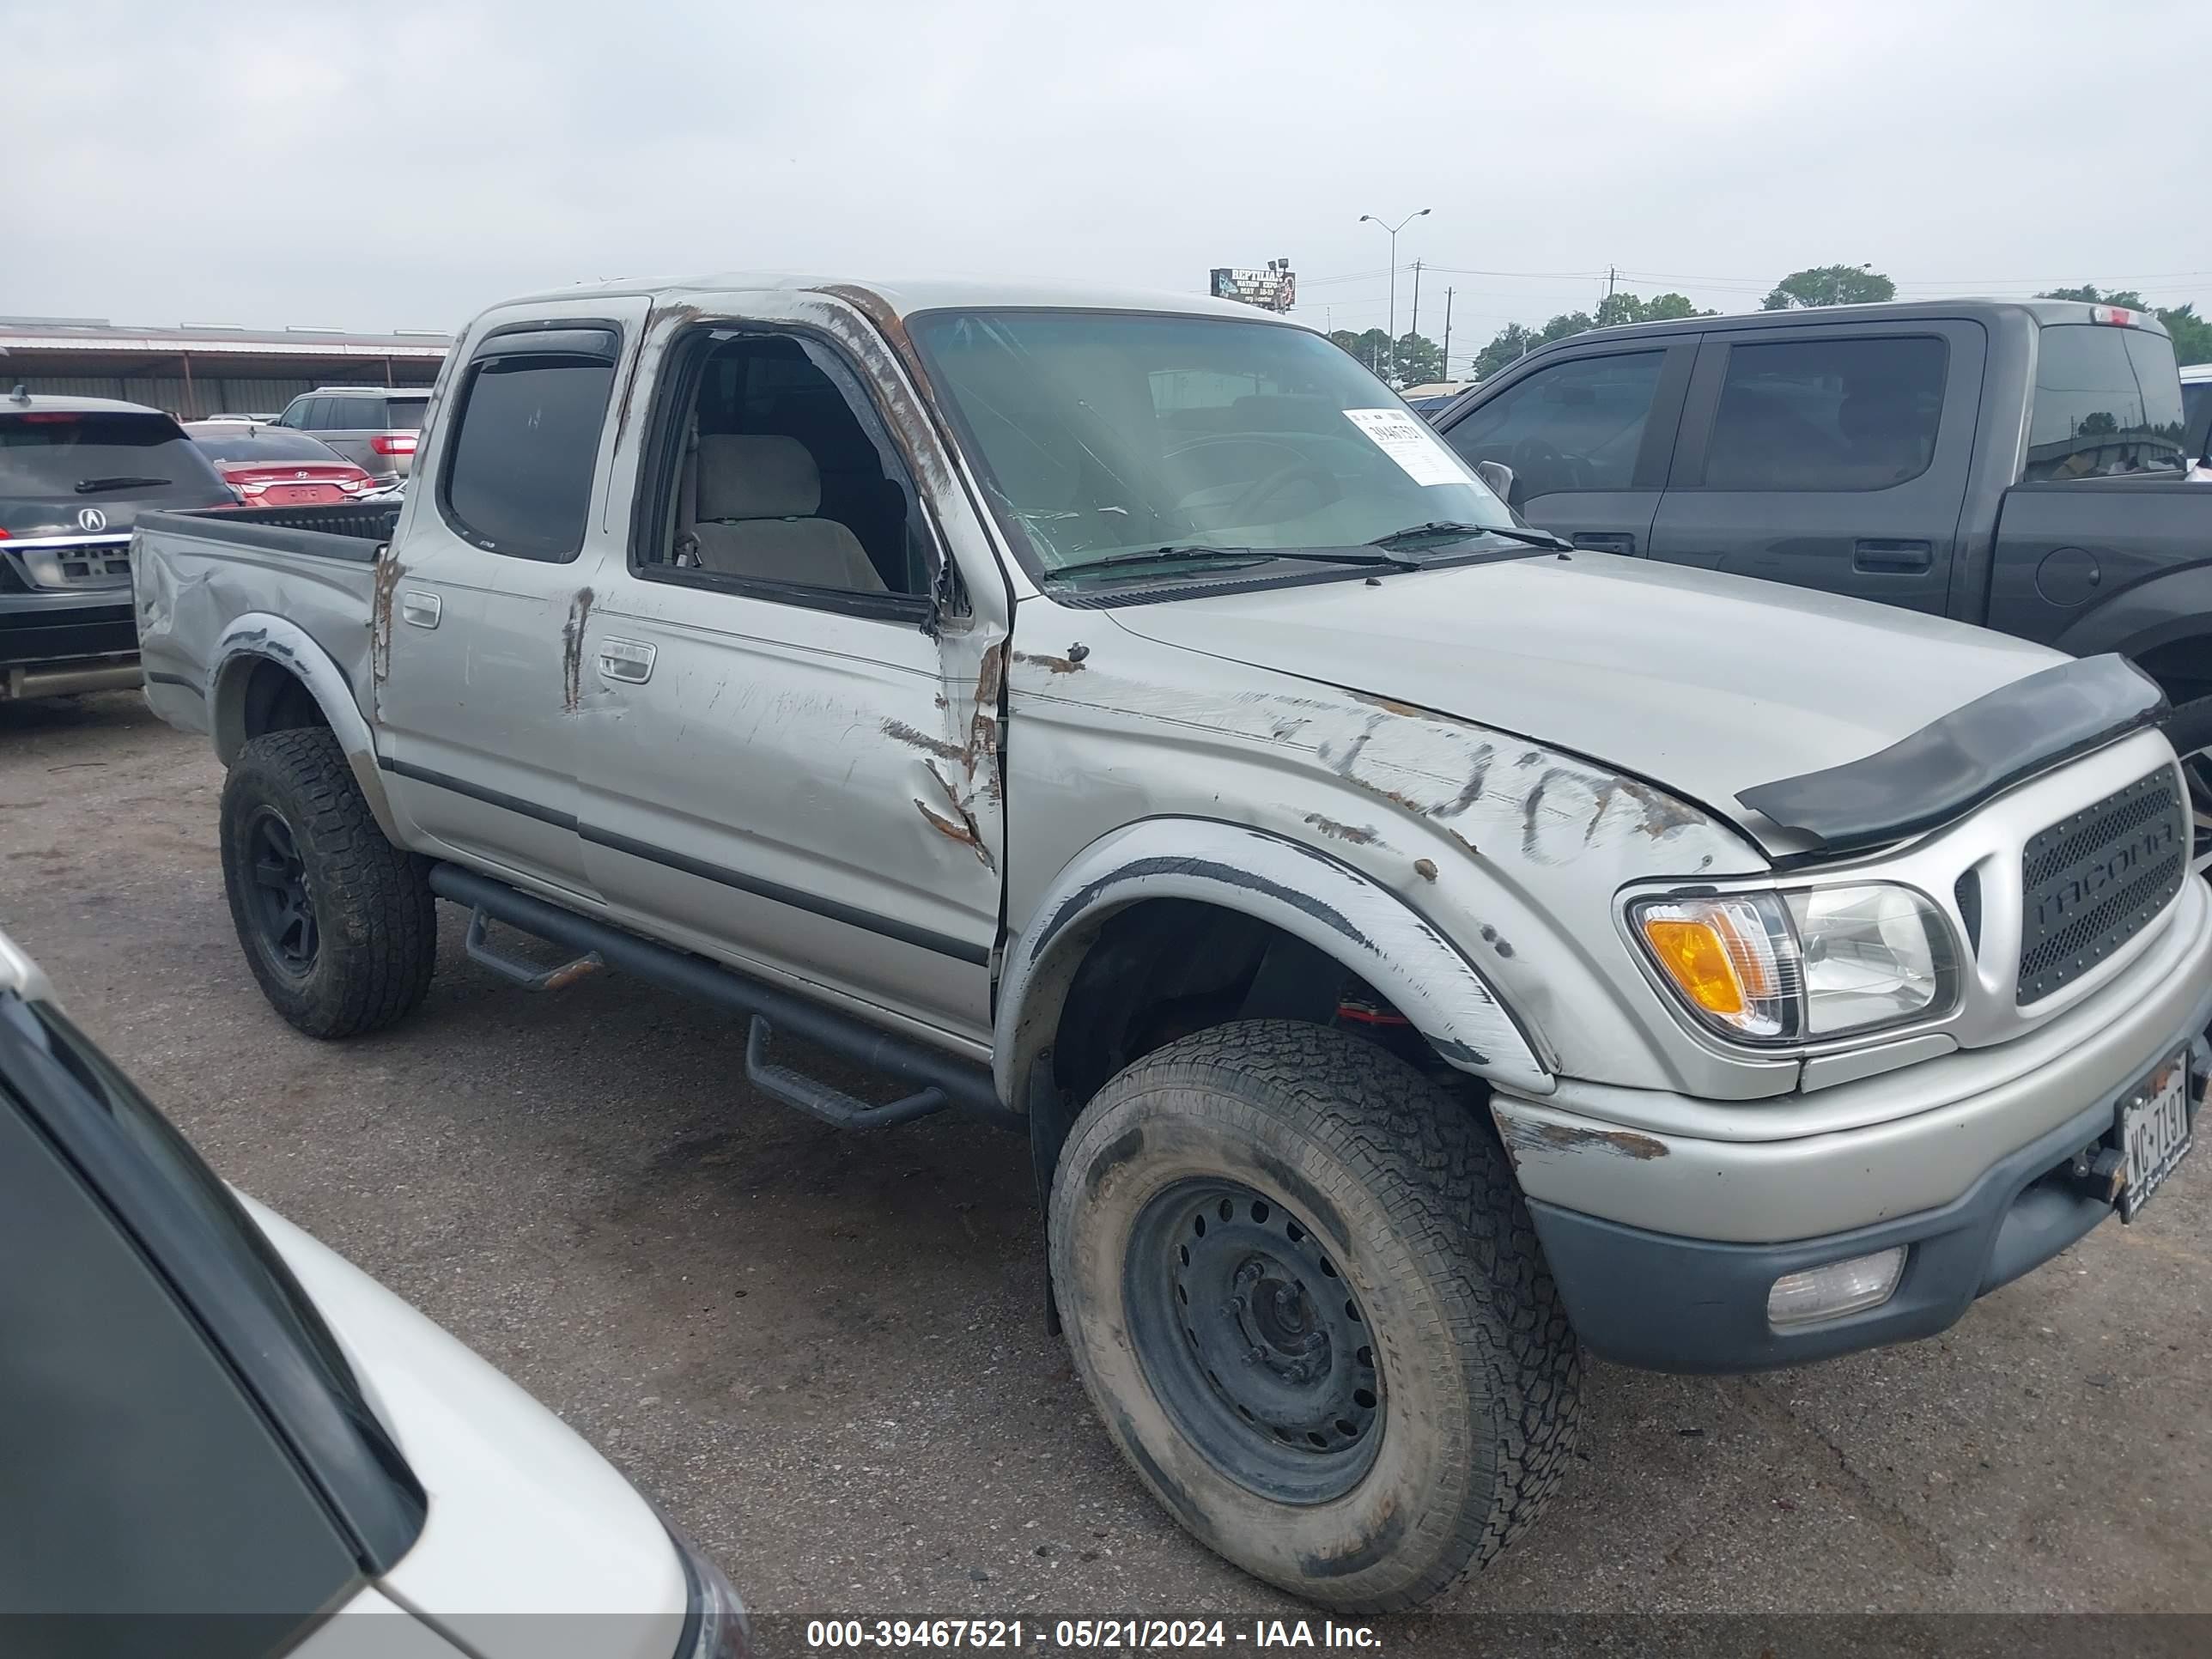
[
  {"x": 1414, "y": 948},
  {"x": 74, "y": 472},
  {"x": 205, "y": 1413},
  {"x": 270, "y": 466},
  {"x": 2018, "y": 464},
  {"x": 372, "y": 427},
  {"x": 2196, "y": 413}
]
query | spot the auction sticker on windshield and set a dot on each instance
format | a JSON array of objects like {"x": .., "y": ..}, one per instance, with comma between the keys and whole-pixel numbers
[{"x": 1407, "y": 439}]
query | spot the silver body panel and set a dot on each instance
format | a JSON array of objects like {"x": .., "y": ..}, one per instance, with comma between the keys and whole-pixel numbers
[{"x": 1450, "y": 780}]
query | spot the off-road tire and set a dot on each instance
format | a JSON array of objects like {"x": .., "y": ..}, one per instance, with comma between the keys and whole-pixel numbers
[
  {"x": 376, "y": 920},
  {"x": 1416, "y": 1207}
]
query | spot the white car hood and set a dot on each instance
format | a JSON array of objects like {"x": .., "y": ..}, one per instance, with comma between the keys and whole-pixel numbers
[
  {"x": 525, "y": 1517},
  {"x": 1700, "y": 683}
]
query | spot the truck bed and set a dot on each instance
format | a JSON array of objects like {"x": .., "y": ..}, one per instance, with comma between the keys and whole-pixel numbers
[
  {"x": 2099, "y": 564},
  {"x": 202, "y": 578}
]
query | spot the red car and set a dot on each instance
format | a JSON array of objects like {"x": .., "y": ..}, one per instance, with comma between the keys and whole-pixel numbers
[{"x": 269, "y": 466}]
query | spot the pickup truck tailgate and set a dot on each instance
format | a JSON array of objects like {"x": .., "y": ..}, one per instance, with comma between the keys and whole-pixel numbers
[{"x": 197, "y": 575}]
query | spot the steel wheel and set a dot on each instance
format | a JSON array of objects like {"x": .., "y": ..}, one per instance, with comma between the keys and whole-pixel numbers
[
  {"x": 283, "y": 914},
  {"x": 1254, "y": 1345}
]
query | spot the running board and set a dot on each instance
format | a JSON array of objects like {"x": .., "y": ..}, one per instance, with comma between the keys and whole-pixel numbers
[
  {"x": 818, "y": 1099},
  {"x": 961, "y": 1084},
  {"x": 528, "y": 975}
]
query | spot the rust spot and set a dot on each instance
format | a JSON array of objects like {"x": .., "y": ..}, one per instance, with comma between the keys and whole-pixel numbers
[
  {"x": 961, "y": 826},
  {"x": 990, "y": 676},
  {"x": 1425, "y": 869},
  {"x": 1565, "y": 1138},
  {"x": 1070, "y": 663},
  {"x": 1357, "y": 835},
  {"x": 1661, "y": 812},
  {"x": 937, "y": 746},
  {"x": 561, "y": 979},
  {"x": 1391, "y": 705},
  {"x": 389, "y": 570},
  {"x": 572, "y": 650}
]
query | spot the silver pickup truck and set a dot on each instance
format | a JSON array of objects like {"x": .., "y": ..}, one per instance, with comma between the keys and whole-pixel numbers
[{"x": 1416, "y": 950}]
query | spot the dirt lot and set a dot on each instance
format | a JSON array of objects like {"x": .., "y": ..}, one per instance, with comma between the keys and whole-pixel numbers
[{"x": 825, "y": 1354}]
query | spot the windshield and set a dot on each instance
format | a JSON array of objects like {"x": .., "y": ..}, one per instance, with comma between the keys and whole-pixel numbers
[
  {"x": 1114, "y": 432},
  {"x": 66, "y": 453},
  {"x": 2107, "y": 400}
]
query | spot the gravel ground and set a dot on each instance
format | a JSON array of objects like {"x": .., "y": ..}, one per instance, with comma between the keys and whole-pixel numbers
[{"x": 825, "y": 1354}]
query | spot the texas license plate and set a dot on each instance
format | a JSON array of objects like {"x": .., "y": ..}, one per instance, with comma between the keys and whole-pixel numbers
[{"x": 2154, "y": 1133}]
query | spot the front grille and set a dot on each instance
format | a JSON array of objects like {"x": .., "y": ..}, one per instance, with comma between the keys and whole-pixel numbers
[{"x": 2092, "y": 882}]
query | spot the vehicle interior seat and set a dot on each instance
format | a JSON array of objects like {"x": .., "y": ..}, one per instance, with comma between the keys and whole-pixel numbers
[{"x": 755, "y": 502}]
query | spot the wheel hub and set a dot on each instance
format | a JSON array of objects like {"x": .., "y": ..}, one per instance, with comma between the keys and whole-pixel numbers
[
  {"x": 1254, "y": 1341},
  {"x": 283, "y": 914}
]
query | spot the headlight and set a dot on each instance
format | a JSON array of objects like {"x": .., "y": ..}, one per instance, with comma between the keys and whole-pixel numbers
[{"x": 1798, "y": 967}]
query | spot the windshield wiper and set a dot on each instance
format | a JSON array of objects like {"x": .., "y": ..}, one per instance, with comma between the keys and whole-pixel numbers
[
  {"x": 1412, "y": 532},
  {"x": 88, "y": 486},
  {"x": 1236, "y": 554}
]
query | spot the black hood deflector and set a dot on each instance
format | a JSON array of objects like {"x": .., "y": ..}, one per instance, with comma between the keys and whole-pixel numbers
[{"x": 1961, "y": 760}]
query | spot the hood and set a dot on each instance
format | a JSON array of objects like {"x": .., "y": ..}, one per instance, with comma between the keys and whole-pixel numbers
[{"x": 1703, "y": 684}]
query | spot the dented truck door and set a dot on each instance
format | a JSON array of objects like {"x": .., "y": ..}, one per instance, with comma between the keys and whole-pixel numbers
[
  {"x": 481, "y": 598},
  {"x": 788, "y": 719}
]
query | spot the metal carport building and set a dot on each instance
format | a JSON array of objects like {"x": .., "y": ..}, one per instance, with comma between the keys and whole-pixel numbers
[{"x": 197, "y": 371}]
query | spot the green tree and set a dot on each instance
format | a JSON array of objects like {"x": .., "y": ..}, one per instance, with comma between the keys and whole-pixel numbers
[
  {"x": 1830, "y": 285},
  {"x": 1512, "y": 341},
  {"x": 1624, "y": 307},
  {"x": 1372, "y": 347},
  {"x": 1419, "y": 361}
]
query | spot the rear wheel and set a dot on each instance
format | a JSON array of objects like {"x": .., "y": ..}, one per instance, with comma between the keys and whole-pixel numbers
[
  {"x": 339, "y": 925},
  {"x": 1304, "y": 1294}
]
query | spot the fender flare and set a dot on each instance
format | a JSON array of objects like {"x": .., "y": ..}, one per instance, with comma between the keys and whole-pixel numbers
[
  {"x": 1305, "y": 892},
  {"x": 2173, "y": 605},
  {"x": 258, "y": 636}
]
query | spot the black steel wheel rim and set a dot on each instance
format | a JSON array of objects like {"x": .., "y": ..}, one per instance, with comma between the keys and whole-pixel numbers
[
  {"x": 1253, "y": 1342},
  {"x": 283, "y": 914}
]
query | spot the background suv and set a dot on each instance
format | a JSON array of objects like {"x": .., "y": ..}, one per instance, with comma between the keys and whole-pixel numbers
[{"x": 372, "y": 427}]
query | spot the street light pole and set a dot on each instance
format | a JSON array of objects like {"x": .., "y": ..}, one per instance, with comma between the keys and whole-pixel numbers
[{"x": 1369, "y": 218}]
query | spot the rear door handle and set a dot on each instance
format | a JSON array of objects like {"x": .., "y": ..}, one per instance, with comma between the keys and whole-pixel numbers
[
  {"x": 1889, "y": 558},
  {"x": 420, "y": 610},
  {"x": 1605, "y": 541},
  {"x": 627, "y": 662}
]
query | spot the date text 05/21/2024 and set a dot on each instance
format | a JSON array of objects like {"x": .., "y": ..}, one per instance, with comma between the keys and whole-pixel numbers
[{"x": 1083, "y": 1634}]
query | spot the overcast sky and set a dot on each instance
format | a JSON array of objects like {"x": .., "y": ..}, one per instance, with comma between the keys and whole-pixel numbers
[{"x": 392, "y": 164}]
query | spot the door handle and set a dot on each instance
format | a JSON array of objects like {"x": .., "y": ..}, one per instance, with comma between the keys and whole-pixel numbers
[
  {"x": 1605, "y": 541},
  {"x": 1877, "y": 557},
  {"x": 420, "y": 610},
  {"x": 628, "y": 661}
]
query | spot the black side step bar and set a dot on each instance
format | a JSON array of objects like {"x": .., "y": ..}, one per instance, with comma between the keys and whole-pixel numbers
[{"x": 940, "y": 1079}]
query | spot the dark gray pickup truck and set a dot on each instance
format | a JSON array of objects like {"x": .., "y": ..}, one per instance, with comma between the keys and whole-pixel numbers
[{"x": 2017, "y": 463}]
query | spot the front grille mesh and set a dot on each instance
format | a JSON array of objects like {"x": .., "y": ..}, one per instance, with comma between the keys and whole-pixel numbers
[{"x": 2092, "y": 882}]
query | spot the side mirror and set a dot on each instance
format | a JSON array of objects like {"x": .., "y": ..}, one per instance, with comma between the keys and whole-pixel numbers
[{"x": 1496, "y": 478}]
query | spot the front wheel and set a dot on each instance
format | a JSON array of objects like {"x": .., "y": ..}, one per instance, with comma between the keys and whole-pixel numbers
[{"x": 1304, "y": 1293}]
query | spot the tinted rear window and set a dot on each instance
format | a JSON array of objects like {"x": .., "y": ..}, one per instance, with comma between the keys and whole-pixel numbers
[
  {"x": 2196, "y": 410},
  {"x": 46, "y": 454},
  {"x": 2106, "y": 400},
  {"x": 405, "y": 414},
  {"x": 266, "y": 445}
]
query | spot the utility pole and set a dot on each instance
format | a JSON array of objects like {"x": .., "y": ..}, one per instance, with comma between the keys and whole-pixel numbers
[
  {"x": 1448, "y": 293},
  {"x": 1610, "y": 273},
  {"x": 1415, "y": 328}
]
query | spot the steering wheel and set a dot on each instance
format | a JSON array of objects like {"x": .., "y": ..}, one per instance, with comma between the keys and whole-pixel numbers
[
  {"x": 1247, "y": 502},
  {"x": 1534, "y": 460}
]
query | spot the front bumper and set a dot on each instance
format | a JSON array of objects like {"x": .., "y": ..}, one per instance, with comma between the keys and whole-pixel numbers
[{"x": 1664, "y": 1245}]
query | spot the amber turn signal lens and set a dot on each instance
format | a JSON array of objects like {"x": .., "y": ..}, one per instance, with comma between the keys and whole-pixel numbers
[{"x": 1697, "y": 958}]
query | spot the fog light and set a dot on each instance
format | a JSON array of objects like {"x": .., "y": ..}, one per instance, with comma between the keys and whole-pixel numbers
[{"x": 1839, "y": 1288}]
